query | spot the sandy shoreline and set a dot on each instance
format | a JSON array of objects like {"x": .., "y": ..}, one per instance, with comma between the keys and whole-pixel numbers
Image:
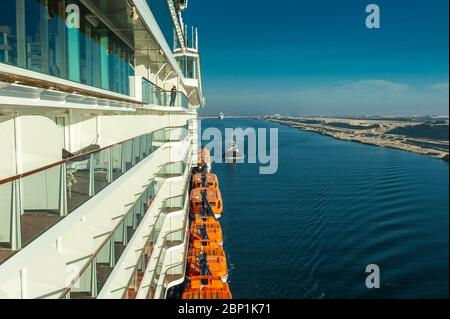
[{"x": 370, "y": 131}]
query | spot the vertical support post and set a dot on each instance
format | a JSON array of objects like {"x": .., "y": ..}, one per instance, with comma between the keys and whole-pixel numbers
[
  {"x": 63, "y": 190},
  {"x": 135, "y": 215},
  {"x": 133, "y": 158},
  {"x": 110, "y": 165},
  {"x": 125, "y": 232},
  {"x": 17, "y": 209},
  {"x": 112, "y": 252},
  {"x": 122, "y": 158},
  {"x": 23, "y": 283},
  {"x": 93, "y": 269},
  {"x": 91, "y": 175}
]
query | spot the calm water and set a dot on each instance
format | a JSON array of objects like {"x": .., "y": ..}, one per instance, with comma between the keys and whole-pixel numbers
[{"x": 334, "y": 207}]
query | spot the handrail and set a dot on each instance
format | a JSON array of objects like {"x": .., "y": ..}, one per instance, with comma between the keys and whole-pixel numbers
[
  {"x": 67, "y": 289},
  {"x": 161, "y": 212},
  {"x": 70, "y": 159},
  {"x": 186, "y": 241},
  {"x": 164, "y": 245},
  {"x": 134, "y": 270},
  {"x": 161, "y": 89}
]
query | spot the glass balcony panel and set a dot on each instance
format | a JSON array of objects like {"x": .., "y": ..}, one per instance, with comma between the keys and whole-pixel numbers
[
  {"x": 142, "y": 147},
  {"x": 172, "y": 170},
  {"x": 6, "y": 215},
  {"x": 86, "y": 285},
  {"x": 41, "y": 203},
  {"x": 34, "y": 36},
  {"x": 174, "y": 204},
  {"x": 78, "y": 182},
  {"x": 101, "y": 169},
  {"x": 117, "y": 166},
  {"x": 136, "y": 150},
  {"x": 127, "y": 155},
  {"x": 104, "y": 264},
  {"x": 120, "y": 240},
  {"x": 175, "y": 238},
  {"x": 159, "y": 136}
]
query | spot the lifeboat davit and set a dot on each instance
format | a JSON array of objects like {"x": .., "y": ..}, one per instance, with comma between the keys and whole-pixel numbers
[
  {"x": 205, "y": 180},
  {"x": 207, "y": 287},
  {"x": 214, "y": 198},
  {"x": 202, "y": 232}
]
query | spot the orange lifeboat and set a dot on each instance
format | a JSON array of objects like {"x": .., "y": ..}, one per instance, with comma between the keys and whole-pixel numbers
[
  {"x": 205, "y": 180},
  {"x": 207, "y": 287},
  {"x": 209, "y": 221},
  {"x": 201, "y": 263},
  {"x": 202, "y": 232},
  {"x": 210, "y": 248},
  {"x": 209, "y": 227},
  {"x": 214, "y": 198},
  {"x": 203, "y": 244}
]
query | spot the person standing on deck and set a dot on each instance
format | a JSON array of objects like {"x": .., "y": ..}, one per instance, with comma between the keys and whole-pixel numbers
[{"x": 173, "y": 95}]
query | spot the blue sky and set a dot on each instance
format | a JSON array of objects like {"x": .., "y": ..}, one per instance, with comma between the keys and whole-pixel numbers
[{"x": 317, "y": 56}]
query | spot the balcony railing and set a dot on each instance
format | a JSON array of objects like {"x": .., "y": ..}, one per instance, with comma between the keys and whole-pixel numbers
[
  {"x": 172, "y": 239},
  {"x": 171, "y": 205},
  {"x": 32, "y": 202},
  {"x": 176, "y": 271},
  {"x": 152, "y": 94},
  {"x": 98, "y": 268},
  {"x": 166, "y": 135}
]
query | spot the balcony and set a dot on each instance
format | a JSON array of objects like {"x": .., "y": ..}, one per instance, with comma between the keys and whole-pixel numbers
[
  {"x": 33, "y": 202},
  {"x": 100, "y": 266},
  {"x": 172, "y": 134},
  {"x": 171, "y": 240},
  {"x": 171, "y": 205},
  {"x": 154, "y": 95}
]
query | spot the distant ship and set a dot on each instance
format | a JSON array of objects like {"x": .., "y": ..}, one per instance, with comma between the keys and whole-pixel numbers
[
  {"x": 233, "y": 153},
  {"x": 221, "y": 116}
]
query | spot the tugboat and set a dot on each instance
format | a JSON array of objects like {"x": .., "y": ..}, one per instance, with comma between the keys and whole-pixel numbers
[
  {"x": 221, "y": 116},
  {"x": 233, "y": 154}
]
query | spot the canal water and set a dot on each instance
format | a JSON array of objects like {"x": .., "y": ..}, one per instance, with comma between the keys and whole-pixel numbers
[{"x": 334, "y": 207}]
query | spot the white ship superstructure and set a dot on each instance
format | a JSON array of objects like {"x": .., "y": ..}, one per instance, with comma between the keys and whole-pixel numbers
[{"x": 98, "y": 134}]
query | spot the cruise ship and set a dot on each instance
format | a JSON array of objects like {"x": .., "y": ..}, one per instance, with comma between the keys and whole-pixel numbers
[{"x": 98, "y": 136}]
